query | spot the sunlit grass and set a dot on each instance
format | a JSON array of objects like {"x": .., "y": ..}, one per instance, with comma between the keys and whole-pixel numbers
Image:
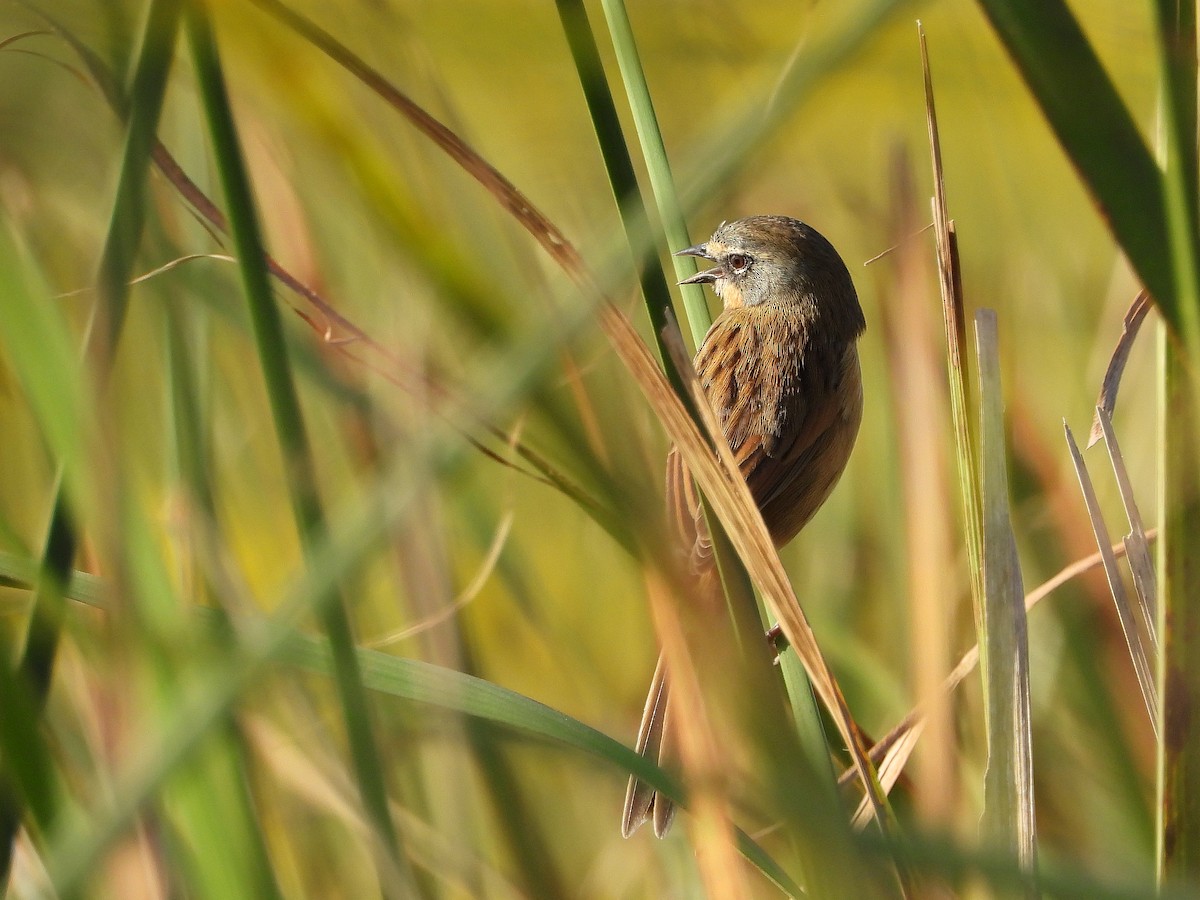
[{"x": 483, "y": 436}]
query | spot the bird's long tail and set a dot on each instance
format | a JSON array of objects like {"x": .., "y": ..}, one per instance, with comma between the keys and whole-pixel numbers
[{"x": 643, "y": 802}]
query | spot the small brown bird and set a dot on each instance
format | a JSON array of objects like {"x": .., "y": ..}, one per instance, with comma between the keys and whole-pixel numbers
[{"x": 780, "y": 367}]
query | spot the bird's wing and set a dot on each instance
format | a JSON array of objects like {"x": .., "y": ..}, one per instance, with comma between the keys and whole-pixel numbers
[
  {"x": 686, "y": 515},
  {"x": 778, "y": 411}
]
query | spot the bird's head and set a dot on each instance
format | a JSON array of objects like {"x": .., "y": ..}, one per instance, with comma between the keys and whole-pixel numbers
[{"x": 777, "y": 260}]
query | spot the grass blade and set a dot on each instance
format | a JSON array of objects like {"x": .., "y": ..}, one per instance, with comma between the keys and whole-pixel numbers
[
  {"x": 654, "y": 152},
  {"x": 619, "y": 166},
  {"x": 1178, "y": 615},
  {"x": 1008, "y": 819},
  {"x": 1099, "y": 136},
  {"x": 1107, "y": 400},
  {"x": 917, "y": 384},
  {"x": 1179, "y": 464},
  {"x": 36, "y": 664},
  {"x": 1137, "y": 548},
  {"x": 289, "y": 423},
  {"x": 954, "y": 314},
  {"x": 1133, "y": 639}
]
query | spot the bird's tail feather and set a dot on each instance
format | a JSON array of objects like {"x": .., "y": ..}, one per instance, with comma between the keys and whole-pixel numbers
[{"x": 642, "y": 801}]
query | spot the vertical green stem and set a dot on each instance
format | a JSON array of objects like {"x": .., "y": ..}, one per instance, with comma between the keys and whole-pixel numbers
[
  {"x": 658, "y": 167},
  {"x": 299, "y": 467},
  {"x": 36, "y": 665},
  {"x": 1178, "y": 834},
  {"x": 619, "y": 165}
]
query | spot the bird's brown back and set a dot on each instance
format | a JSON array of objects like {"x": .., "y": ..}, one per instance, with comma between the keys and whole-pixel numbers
[{"x": 790, "y": 403}]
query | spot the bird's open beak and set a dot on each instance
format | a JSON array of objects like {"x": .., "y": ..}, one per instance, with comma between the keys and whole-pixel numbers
[{"x": 706, "y": 277}]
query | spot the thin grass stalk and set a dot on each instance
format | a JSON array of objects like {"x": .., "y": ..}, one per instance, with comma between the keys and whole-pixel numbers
[
  {"x": 1137, "y": 547},
  {"x": 299, "y": 465},
  {"x": 917, "y": 384},
  {"x": 954, "y": 314},
  {"x": 1008, "y": 817},
  {"x": 1142, "y": 660},
  {"x": 1178, "y": 819},
  {"x": 969, "y": 468},
  {"x": 1178, "y": 833},
  {"x": 654, "y": 153},
  {"x": 219, "y": 825},
  {"x": 42, "y": 352},
  {"x": 621, "y": 175},
  {"x": 36, "y": 664},
  {"x": 108, "y": 316},
  {"x": 29, "y": 786}
]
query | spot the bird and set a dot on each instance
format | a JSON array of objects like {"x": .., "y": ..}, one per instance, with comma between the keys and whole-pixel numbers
[{"x": 780, "y": 368}]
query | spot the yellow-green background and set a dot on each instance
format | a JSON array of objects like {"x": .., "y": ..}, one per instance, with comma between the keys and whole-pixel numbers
[{"x": 563, "y": 617}]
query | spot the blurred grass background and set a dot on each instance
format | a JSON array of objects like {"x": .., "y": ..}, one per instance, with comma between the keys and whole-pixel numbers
[{"x": 358, "y": 205}]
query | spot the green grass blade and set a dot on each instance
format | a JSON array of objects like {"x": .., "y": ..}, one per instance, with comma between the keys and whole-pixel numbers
[
  {"x": 36, "y": 664},
  {"x": 1100, "y": 136},
  {"x": 289, "y": 423},
  {"x": 619, "y": 165},
  {"x": 654, "y": 152},
  {"x": 209, "y": 801},
  {"x": 1178, "y": 832},
  {"x": 406, "y": 679},
  {"x": 112, "y": 283},
  {"x": 1178, "y": 819}
]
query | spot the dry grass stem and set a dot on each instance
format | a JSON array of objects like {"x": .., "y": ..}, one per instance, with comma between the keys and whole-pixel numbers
[
  {"x": 1107, "y": 400},
  {"x": 469, "y": 593},
  {"x": 896, "y": 746},
  {"x": 1133, "y": 637},
  {"x": 1136, "y": 546}
]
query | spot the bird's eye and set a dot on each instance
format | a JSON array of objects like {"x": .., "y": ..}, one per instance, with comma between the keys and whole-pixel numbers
[{"x": 739, "y": 263}]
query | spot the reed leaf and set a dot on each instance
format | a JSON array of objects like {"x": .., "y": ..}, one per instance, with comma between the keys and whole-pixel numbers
[
  {"x": 1133, "y": 638},
  {"x": 1009, "y": 819},
  {"x": 289, "y": 425},
  {"x": 34, "y": 669}
]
